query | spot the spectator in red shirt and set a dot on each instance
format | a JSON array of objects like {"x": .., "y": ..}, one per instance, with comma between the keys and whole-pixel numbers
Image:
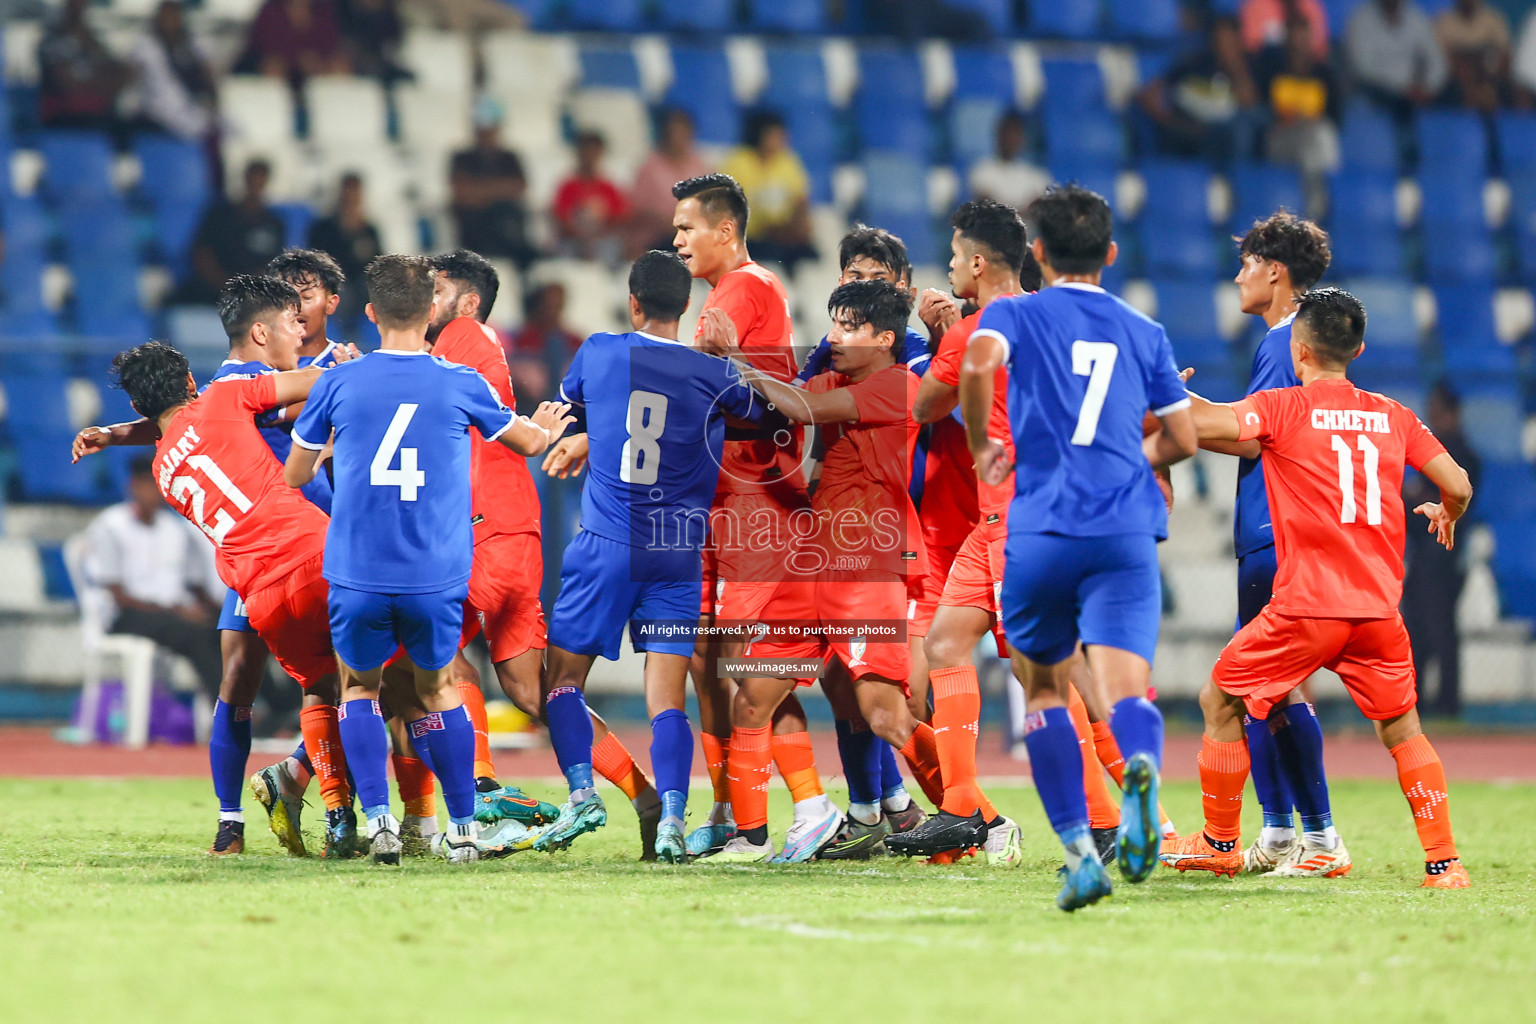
[
  {"x": 540, "y": 351},
  {"x": 590, "y": 210},
  {"x": 294, "y": 39}
]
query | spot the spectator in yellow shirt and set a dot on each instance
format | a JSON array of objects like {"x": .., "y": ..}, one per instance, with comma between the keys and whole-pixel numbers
[{"x": 778, "y": 191}]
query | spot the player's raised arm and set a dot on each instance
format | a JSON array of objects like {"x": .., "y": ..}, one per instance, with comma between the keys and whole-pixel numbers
[
  {"x": 984, "y": 354},
  {"x": 94, "y": 439},
  {"x": 935, "y": 399},
  {"x": 800, "y": 405},
  {"x": 293, "y": 386},
  {"x": 532, "y": 435}
]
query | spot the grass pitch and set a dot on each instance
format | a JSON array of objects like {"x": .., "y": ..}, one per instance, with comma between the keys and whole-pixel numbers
[{"x": 110, "y": 911}]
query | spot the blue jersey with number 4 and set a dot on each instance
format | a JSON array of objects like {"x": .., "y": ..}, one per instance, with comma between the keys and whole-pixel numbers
[
  {"x": 400, "y": 515},
  {"x": 1083, "y": 369},
  {"x": 655, "y": 427}
]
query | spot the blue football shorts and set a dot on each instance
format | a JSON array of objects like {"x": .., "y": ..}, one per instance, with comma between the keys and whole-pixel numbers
[
  {"x": 1100, "y": 590},
  {"x": 368, "y": 628},
  {"x": 232, "y": 615},
  {"x": 605, "y": 585}
]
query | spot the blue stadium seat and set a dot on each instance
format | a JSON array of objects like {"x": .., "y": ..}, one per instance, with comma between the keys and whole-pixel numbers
[
  {"x": 797, "y": 87},
  {"x": 28, "y": 324},
  {"x": 1362, "y": 220},
  {"x": 1516, "y": 136},
  {"x": 1156, "y": 21},
  {"x": 973, "y": 129},
  {"x": 609, "y": 67},
  {"x": 1494, "y": 418},
  {"x": 701, "y": 85},
  {"x": 807, "y": 17},
  {"x": 894, "y": 183},
  {"x": 1514, "y": 566},
  {"x": 98, "y": 229},
  {"x": 1174, "y": 226},
  {"x": 1452, "y": 141},
  {"x": 175, "y": 184},
  {"x": 1064, "y": 19},
  {"x": 697, "y": 15},
  {"x": 998, "y": 13},
  {"x": 1457, "y": 243},
  {"x": 890, "y": 111},
  {"x": 1509, "y": 487},
  {"x": 1522, "y": 187},
  {"x": 34, "y": 398},
  {"x": 1392, "y": 332},
  {"x": 1084, "y": 136},
  {"x": 541, "y": 15},
  {"x": 1369, "y": 139},
  {"x": 1468, "y": 344},
  {"x": 296, "y": 218},
  {"x": 1258, "y": 190},
  {"x": 1072, "y": 85},
  {"x": 79, "y": 165},
  {"x": 1094, "y": 175},
  {"x": 607, "y": 15},
  {"x": 42, "y": 463},
  {"x": 107, "y": 301},
  {"x": 27, "y": 231},
  {"x": 1178, "y": 253},
  {"x": 983, "y": 71},
  {"x": 1187, "y": 309}
]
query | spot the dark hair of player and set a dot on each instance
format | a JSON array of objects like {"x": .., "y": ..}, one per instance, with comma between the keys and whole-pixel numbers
[
  {"x": 994, "y": 230},
  {"x": 1297, "y": 243},
  {"x": 400, "y": 289},
  {"x": 1030, "y": 278},
  {"x": 719, "y": 195},
  {"x": 878, "y": 244},
  {"x": 153, "y": 376},
  {"x": 302, "y": 267},
  {"x": 878, "y": 303},
  {"x": 470, "y": 269},
  {"x": 661, "y": 283},
  {"x": 1335, "y": 322},
  {"x": 246, "y": 299},
  {"x": 1075, "y": 226}
]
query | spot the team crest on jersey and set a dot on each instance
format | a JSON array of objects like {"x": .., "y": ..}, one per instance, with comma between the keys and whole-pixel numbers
[{"x": 856, "y": 650}]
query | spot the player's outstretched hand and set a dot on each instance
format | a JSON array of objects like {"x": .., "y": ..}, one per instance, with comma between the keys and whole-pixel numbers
[
  {"x": 345, "y": 353},
  {"x": 553, "y": 417},
  {"x": 719, "y": 334},
  {"x": 1440, "y": 523},
  {"x": 88, "y": 442},
  {"x": 937, "y": 310},
  {"x": 567, "y": 458},
  {"x": 1186, "y": 373},
  {"x": 993, "y": 464}
]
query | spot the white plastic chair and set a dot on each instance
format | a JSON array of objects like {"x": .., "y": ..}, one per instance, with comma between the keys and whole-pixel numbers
[{"x": 135, "y": 654}]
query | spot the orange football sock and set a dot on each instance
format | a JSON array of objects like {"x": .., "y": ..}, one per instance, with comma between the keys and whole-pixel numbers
[
  {"x": 474, "y": 703},
  {"x": 922, "y": 754},
  {"x": 1103, "y": 812},
  {"x": 1422, "y": 777},
  {"x": 956, "y": 725},
  {"x": 1106, "y": 748},
  {"x": 414, "y": 782},
  {"x": 322, "y": 740},
  {"x": 614, "y": 763},
  {"x": 715, "y": 753},
  {"x": 797, "y": 764},
  {"x": 1223, "y": 774},
  {"x": 748, "y": 767}
]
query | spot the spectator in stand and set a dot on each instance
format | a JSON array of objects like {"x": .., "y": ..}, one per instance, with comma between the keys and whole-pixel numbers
[
  {"x": 540, "y": 351},
  {"x": 173, "y": 80},
  {"x": 490, "y": 192},
  {"x": 1303, "y": 95},
  {"x": 1393, "y": 56},
  {"x": 80, "y": 80},
  {"x": 235, "y": 237},
  {"x": 1009, "y": 177},
  {"x": 778, "y": 191},
  {"x": 352, "y": 242},
  {"x": 590, "y": 210},
  {"x": 1523, "y": 69},
  {"x": 373, "y": 33},
  {"x": 1207, "y": 105},
  {"x": 156, "y": 566},
  {"x": 1264, "y": 24},
  {"x": 1477, "y": 45},
  {"x": 1434, "y": 577},
  {"x": 674, "y": 159},
  {"x": 295, "y": 39}
]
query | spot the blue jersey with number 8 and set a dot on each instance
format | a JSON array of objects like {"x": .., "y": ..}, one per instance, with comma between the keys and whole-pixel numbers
[
  {"x": 655, "y": 413},
  {"x": 1083, "y": 370},
  {"x": 400, "y": 514}
]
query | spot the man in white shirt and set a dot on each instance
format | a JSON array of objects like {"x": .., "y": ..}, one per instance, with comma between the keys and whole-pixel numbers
[
  {"x": 157, "y": 568},
  {"x": 1008, "y": 176}
]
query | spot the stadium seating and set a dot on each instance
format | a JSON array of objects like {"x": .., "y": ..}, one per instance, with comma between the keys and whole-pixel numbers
[
  {"x": 1458, "y": 245},
  {"x": 797, "y": 87},
  {"x": 1368, "y": 139},
  {"x": 175, "y": 185},
  {"x": 1174, "y": 228},
  {"x": 611, "y": 66},
  {"x": 1452, "y": 142},
  {"x": 697, "y": 15},
  {"x": 79, "y": 166},
  {"x": 890, "y": 110},
  {"x": 1362, "y": 218},
  {"x": 1153, "y": 21},
  {"x": 1065, "y": 19},
  {"x": 607, "y": 15},
  {"x": 804, "y": 17},
  {"x": 1258, "y": 190},
  {"x": 1468, "y": 342},
  {"x": 701, "y": 85},
  {"x": 1187, "y": 309},
  {"x": 997, "y": 13}
]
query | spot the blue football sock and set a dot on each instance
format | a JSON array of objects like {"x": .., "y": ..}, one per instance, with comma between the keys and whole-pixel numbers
[
  {"x": 1138, "y": 729},
  {"x": 570, "y": 733},
  {"x": 423, "y": 751},
  {"x": 890, "y": 772},
  {"x": 1056, "y": 762},
  {"x": 1301, "y": 758},
  {"x": 450, "y": 735},
  {"x": 302, "y": 756},
  {"x": 229, "y": 746},
  {"x": 861, "y": 759},
  {"x": 1269, "y": 781},
  {"x": 365, "y": 741},
  {"x": 672, "y": 759}
]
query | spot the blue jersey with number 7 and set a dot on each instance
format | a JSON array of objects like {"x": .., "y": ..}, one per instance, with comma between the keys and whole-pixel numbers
[
  {"x": 655, "y": 412},
  {"x": 400, "y": 512},
  {"x": 1083, "y": 370}
]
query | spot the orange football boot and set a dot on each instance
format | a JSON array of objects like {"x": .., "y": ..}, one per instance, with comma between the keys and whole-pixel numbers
[
  {"x": 1453, "y": 877},
  {"x": 1195, "y": 853}
]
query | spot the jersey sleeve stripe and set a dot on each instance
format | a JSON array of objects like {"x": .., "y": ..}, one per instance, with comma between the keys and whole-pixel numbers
[
  {"x": 1182, "y": 403},
  {"x": 914, "y": 363},
  {"x": 510, "y": 423},
  {"x": 987, "y": 332},
  {"x": 568, "y": 399},
  {"x": 307, "y": 445}
]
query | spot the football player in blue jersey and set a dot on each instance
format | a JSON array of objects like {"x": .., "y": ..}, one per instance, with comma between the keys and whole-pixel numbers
[
  {"x": 1084, "y": 368},
  {"x": 655, "y": 422},
  {"x": 1282, "y": 257},
  {"x": 399, "y": 547}
]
